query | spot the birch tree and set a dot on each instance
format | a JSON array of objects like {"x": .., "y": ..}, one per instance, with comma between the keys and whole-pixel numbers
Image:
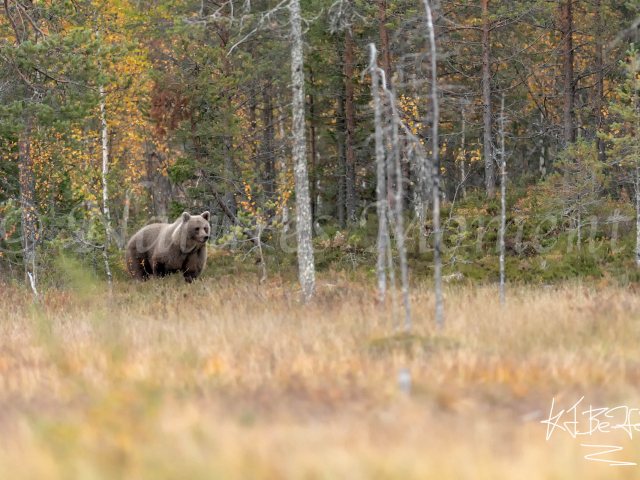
[
  {"x": 381, "y": 206},
  {"x": 105, "y": 188},
  {"x": 437, "y": 260},
  {"x": 566, "y": 14},
  {"x": 394, "y": 163},
  {"x": 487, "y": 120},
  {"x": 306, "y": 266}
]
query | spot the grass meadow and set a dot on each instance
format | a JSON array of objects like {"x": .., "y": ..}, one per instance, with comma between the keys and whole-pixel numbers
[{"x": 230, "y": 379}]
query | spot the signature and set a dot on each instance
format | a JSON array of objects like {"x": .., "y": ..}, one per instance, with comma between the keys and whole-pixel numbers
[{"x": 603, "y": 420}]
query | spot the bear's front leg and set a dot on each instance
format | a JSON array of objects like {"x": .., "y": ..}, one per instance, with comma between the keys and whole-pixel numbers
[
  {"x": 194, "y": 264},
  {"x": 159, "y": 269},
  {"x": 188, "y": 277}
]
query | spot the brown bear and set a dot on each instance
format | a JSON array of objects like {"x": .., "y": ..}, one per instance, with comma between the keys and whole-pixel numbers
[{"x": 163, "y": 248}]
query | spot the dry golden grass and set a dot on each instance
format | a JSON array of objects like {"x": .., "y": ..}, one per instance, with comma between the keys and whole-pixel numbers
[{"x": 225, "y": 379}]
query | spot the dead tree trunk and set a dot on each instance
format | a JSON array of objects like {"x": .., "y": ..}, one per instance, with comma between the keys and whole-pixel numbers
[
  {"x": 463, "y": 154},
  {"x": 384, "y": 38},
  {"x": 437, "y": 260},
  {"x": 306, "y": 267},
  {"x": 105, "y": 168},
  {"x": 312, "y": 155},
  {"x": 342, "y": 158},
  {"x": 487, "y": 121},
  {"x": 394, "y": 162},
  {"x": 383, "y": 231},
  {"x": 599, "y": 78},
  {"x": 350, "y": 111},
  {"x": 27, "y": 201},
  {"x": 567, "y": 72}
]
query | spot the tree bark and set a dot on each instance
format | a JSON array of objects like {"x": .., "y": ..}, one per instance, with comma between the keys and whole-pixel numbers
[
  {"x": 599, "y": 78},
  {"x": 394, "y": 162},
  {"x": 27, "y": 200},
  {"x": 392, "y": 178},
  {"x": 381, "y": 205},
  {"x": 105, "y": 170},
  {"x": 489, "y": 167},
  {"x": 384, "y": 38},
  {"x": 350, "y": 112},
  {"x": 312, "y": 154},
  {"x": 342, "y": 157},
  {"x": 437, "y": 260},
  {"x": 306, "y": 267},
  {"x": 567, "y": 72}
]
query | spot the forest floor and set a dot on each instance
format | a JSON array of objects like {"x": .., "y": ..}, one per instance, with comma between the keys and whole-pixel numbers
[{"x": 226, "y": 378}]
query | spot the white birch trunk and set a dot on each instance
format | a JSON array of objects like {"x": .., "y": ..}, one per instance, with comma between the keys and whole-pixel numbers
[
  {"x": 436, "y": 183},
  {"x": 503, "y": 204},
  {"x": 306, "y": 267},
  {"x": 380, "y": 175},
  {"x": 105, "y": 189},
  {"x": 399, "y": 219},
  {"x": 105, "y": 166}
]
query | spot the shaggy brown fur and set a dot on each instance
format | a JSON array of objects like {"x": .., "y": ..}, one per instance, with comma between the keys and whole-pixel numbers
[{"x": 163, "y": 248}]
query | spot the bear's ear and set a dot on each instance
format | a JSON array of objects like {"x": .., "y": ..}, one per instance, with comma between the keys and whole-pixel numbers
[
  {"x": 205, "y": 215},
  {"x": 186, "y": 217}
]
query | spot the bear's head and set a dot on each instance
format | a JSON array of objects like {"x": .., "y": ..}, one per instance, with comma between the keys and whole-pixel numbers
[{"x": 195, "y": 229}]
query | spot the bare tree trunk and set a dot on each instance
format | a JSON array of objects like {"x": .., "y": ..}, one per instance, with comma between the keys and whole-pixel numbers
[
  {"x": 489, "y": 167},
  {"x": 105, "y": 168},
  {"x": 350, "y": 111},
  {"x": 105, "y": 188},
  {"x": 306, "y": 267},
  {"x": 227, "y": 140},
  {"x": 503, "y": 204},
  {"x": 392, "y": 179},
  {"x": 384, "y": 38},
  {"x": 312, "y": 155},
  {"x": 436, "y": 180},
  {"x": 381, "y": 190},
  {"x": 567, "y": 71},
  {"x": 341, "y": 162},
  {"x": 599, "y": 78},
  {"x": 27, "y": 200},
  {"x": 399, "y": 219}
]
